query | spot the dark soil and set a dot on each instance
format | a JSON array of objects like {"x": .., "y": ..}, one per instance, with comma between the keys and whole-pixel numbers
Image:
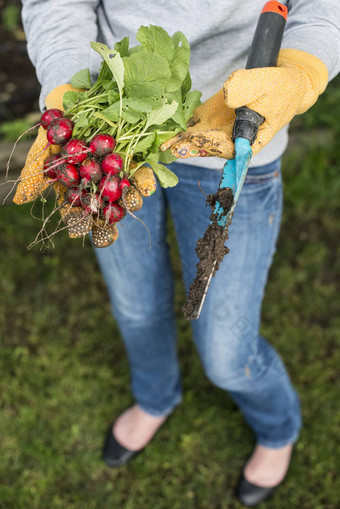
[{"x": 210, "y": 250}]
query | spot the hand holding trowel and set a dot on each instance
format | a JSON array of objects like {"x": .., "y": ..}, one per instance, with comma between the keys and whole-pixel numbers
[{"x": 273, "y": 96}]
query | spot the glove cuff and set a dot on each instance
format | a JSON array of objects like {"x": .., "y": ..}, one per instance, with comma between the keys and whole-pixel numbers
[
  {"x": 313, "y": 66},
  {"x": 55, "y": 98}
]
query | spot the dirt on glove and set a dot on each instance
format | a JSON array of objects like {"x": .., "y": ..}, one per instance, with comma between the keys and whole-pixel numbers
[{"x": 210, "y": 250}]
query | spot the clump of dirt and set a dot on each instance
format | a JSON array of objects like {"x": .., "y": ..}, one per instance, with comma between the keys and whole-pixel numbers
[{"x": 210, "y": 250}]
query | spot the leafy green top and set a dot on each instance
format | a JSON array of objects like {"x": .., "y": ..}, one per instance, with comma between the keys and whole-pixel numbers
[{"x": 142, "y": 97}]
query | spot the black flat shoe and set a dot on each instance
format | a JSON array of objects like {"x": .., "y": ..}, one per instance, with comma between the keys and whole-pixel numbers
[
  {"x": 250, "y": 494},
  {"x": 114, "y": 454}
]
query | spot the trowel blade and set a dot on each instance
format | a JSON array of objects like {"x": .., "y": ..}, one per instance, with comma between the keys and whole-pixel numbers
[
  {"x": 228, "y": 180},
  {"x": 234, "y": 174}
]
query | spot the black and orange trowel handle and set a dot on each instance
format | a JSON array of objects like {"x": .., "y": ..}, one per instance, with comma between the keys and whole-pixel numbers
[
  {"x": 264, "y": 52},
  {"x": 267, "y": 40}
]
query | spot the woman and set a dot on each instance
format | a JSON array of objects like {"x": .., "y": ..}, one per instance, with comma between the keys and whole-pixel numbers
[{"x": 234, "y": 356}]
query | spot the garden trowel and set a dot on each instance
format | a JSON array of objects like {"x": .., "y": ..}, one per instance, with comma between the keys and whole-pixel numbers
[{"x": 264, "y": 52}]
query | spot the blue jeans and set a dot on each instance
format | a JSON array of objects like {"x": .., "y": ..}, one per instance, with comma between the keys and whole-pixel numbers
[{"x": 233, "y": 354}]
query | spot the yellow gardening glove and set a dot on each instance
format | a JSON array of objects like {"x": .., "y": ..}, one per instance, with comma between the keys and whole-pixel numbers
[
  {"x": 55, "y": 98},
  {"x": 209, "y": 132},
  {"x": 32, "y": 180},
  {"x": 278, "y": 93}
]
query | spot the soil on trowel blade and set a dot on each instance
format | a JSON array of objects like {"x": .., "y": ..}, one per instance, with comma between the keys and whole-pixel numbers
[{"x": 210, "y": 250}]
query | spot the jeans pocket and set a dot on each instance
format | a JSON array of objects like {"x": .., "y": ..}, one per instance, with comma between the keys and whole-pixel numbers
[
  {"x": 260, "y": 203},
  {"x": 262, "y": 177},
  {"x": 263, "y": 186}
]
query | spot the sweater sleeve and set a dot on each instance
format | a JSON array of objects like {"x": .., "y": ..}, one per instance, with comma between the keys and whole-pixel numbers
[
  {"x": 314, "y": 26},
  {"x": 58, "y": 38}
]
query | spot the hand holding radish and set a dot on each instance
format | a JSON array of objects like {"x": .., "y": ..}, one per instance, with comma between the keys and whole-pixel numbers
[
  {"x": 99, "y": 142},
  {"x": 209, "y": 132},
  {"x": 86, "y": 179},
  {"x": 277, "y": 93}
]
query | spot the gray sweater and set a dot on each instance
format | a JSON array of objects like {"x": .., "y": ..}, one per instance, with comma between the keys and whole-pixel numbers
[{"x": 219, "y": 31}]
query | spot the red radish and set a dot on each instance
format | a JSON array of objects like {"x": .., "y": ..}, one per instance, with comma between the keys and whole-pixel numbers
[
  {"x": 51, "y": 165},
  {"x": 91, "y": 171},
  {"x": 112, "y": 164},
  {"x": 102, "y": 144},
  {"x": 49, "y": 115},
  {"x": 76, "y": 151},
  {"x": 74, "y": 195},
  {"x": 68, "y": 175},
  {"x": 109, "y": 188},
  {"x": 92, "y": 203},
  {"x": 114, "y": 213},
  {"x": 124, "y": 184},
  {"x": 59, "y": 131}
]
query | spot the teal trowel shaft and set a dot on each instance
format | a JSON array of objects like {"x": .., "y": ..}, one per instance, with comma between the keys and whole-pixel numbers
[{"x": 233, "y": 176}]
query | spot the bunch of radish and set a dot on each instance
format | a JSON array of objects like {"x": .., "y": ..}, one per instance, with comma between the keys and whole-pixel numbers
[
  {"x": 108, "y": 143},
  {"x": 93, "y": 172}
]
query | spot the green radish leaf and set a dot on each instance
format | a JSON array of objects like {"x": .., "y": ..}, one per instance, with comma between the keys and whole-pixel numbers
[
  {"x": 88, "y": 132},
  {"x": 135, "y": 49},
  {"x": 128, "y": 112},
  {"x": 166, "y": 157},
  {"x": 71, "y": 99},
  {"x": 180, "y": 64},
  {"x": 146, "y": 104},
  {"x": 145, "y": 67},
  {"x": 160, "y": 115},
  {"x": 109, "y": 84},
  {"x": 192, "y": 101},
  {"x": 82, "y": 79},
  {"x": 106, "y": 84},
  {"x": 166, "y": 177},
  {"x": 130, "y": 115},
  {"x": 145, "y": 96},
  {"x": 152, "y": 158},
  {"x": 186, "y": 85},
  {"x": 104, "y": 73},
  {"x": 103, "y": 117},
  {"x": 82, "y": 122},
  {"x": 141, "y": 90},
  {"x": 141, "y": 105},
  {"x": 185, "y": 112},
  {"x": 174, "y": 96},
  {"x": 156, "y": 40},
  {"x": 113, "y": 60},
  {"x": 122, "y": 47},
  {"x": 145, "y": 143},
  {"x": 170, "y": 125},
  {"x": 163, "y": 137},
  {"x": 112, "y": 112},
  {"x": 112, "y": 96},
  {"x": 179, "y": 117}
]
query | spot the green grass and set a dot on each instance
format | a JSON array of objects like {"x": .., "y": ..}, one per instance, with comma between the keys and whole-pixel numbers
[{"x": 64, "y": 374}]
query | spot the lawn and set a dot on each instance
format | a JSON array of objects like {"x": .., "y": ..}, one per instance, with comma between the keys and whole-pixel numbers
[{"x": 64, "y": 374}]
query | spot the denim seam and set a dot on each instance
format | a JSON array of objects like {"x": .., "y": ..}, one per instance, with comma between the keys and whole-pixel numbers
[
  {"x": 256, "y": 187},
  {"x": 282, "y": 443},
  {"x": 167, "y": 411},
  {"x": 262, "y": 177}
]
